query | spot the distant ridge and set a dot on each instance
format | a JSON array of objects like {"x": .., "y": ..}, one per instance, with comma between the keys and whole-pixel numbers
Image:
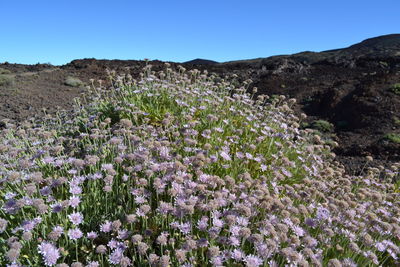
[{"x": 200, "y": 61}]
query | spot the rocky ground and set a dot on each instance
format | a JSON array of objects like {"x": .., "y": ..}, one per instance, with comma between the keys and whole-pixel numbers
[{"x": 356, "y": 89}]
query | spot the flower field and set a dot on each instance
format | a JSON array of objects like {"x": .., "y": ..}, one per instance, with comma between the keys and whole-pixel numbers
[{"x": 181, "y": 168}]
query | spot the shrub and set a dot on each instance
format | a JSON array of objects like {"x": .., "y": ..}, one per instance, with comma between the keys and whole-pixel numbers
[
  {"x": 395, "y": 88},
  {"x": 4, "y": 71},
  {"x": 323, "y": 126},
  {"x": 392, "y": 137},
  {"x": 396, "y": 121},
  {"x": 72, "y": 81},
  {"x": 187, "y": 174},
  {"x": 6, "y": 80}
]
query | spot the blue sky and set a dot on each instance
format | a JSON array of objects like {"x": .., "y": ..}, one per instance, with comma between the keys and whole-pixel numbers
[{"x": 59, "y": 31}]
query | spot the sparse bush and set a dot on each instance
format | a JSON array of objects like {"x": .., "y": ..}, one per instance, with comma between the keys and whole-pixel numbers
[
  {"x": 395, "y": 88},
  {"x": 6, "y": 80},
  {"x": 323, "y": 126},
  {"x": 4, "y": 71},
  {"x": 72, "y": 81},
  {"x": 392, "y": 137},
  {"x": 396, "y": 121}
]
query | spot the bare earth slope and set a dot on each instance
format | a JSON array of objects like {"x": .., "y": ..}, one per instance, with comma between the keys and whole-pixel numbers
[{"x": 353, "y": 88}]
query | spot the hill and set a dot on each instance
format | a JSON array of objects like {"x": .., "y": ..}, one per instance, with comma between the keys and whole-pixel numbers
[{"x": 353, "y": 91}]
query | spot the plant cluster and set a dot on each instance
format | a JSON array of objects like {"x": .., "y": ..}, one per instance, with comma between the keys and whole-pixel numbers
[{"x": 175, "y": 169}]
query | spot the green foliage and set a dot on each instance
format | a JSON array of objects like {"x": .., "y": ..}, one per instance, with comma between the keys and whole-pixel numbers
[
  {"x": 6, "y": 80},
  {"x": 323, "y": 126},
  {"x": 4, "y": 71},
  {"x": 72, "y": 81},
  {"x": 396, "y": 121},
  {"x": 395, "y": 88},
  {"x": 392, "y": 137}
]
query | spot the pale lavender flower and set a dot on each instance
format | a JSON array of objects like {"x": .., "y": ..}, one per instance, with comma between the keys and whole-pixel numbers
[
  {"x": 107, "y": 166},
  {"x": 106, "y": 227},
  {"x": 237, "y": 254},
  {"x": 323, "y": 214},
  {"x": 75, "y": 234},
  {"x": 116, "y": 256},
  {"x": 234, "y": 241},
  {"x": 225, "y": 155},
  {"x": 253, "y": 261},
  {"x": 9, "y": 195},
  {"x": 123, "y": 234},
  {"x": 75, "y": 190},
  {"x": 74, "y": 201},
  {"x": 239, "y": 155},
  {"x": 202, "y": 224},
  {"x": 347, "y": 262},
  {"x": 27, "y": 226},
  {"x": 185, "y": 228},
  {"x": 113, "y": 244},
  {"x": 93, "y": 264},
  {"x": 202, "y": 242},
  {"x": 381, "y": 246},
  {"x": 76, "y": 218},
  {"x": 217, "y": 261},
  {"x": 298, "y": 230},
  {"x": 59, "y": 230},
  {"x": 243, "y": 221},
  {"x": 49, "y": 253},
  {"x": 3, "y": 225},
  {"x": 218, "y": 222},
  {"x": 234, "y": 230},
  {"x": 91, "y": 235}
]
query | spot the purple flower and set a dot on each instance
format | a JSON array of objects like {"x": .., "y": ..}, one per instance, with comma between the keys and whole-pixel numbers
[
  {"x": 253, "y": 261},
  {"x": 202, "y": 224},
  {"x": 202, "y": 242},
  {"x": 74, "y": 201},
  {"x": 28, "y": 226},
  {"x": 93, "y": 264},
  {"x": 106, "y": 227},
  {"x": 234, "y": 241},
  {"x": 75, "y": 190},
  {"x": 116, "y": 256},
  {"x": 11, "y": 206},
  {"x": 3, "y": 225},
  {"x": 185, "y": 228},
  {"x": 76, "y": 218},
  {"x": 45, "y": 191},
  {"x": 113, "y": 243},
  {"x": 10, "y": 195},
  {"x": 237, "y": 254},
  {"x": 92, "y": 235},
  {"x": 49, "y": 253},
  {"x": 59, "y": 230},
  {"x": 323, "y": 214},
  {"x": 310, "y": 222},
  {"x": 123, "y": 234},
  {"x": 57, "y": 207},
  {"x": 298, "y": 230},
  {"x": 75, "y": 234},
  {"x": 218, "y": 222},
  {"x": 225, "y": 155}
]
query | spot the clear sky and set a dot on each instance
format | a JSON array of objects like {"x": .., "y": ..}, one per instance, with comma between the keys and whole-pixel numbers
[{"x": 58, "y": 31}]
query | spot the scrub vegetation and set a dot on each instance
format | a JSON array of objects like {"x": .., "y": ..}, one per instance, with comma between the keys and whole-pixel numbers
[{"x": 175, "y": 169}]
